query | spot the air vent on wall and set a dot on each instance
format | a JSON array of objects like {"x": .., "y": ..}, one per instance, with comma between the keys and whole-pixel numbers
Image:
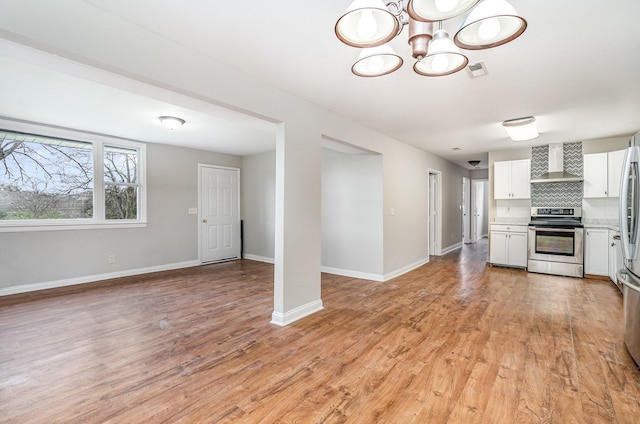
[{"x": 478, "y": 69}]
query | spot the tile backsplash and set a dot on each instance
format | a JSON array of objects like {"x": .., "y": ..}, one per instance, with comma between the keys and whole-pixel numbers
[{"x": 568, "y": 194}]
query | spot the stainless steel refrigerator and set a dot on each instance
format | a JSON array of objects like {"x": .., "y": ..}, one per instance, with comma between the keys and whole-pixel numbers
[{"x": 630, "y": 240}]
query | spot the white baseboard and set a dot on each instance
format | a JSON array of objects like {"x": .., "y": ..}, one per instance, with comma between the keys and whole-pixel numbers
[
  {"x": 295, "y": 314},
  {"x": 93, "y": 278},
  {"x": 451, "y": 248},
  {"x": 258, "y": 258},
  {"x": 352, "y": 274},
  {"x": 405, "y": 269}
]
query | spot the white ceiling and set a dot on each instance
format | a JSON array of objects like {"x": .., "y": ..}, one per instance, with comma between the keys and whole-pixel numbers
[{"x": 576, "y": 68}]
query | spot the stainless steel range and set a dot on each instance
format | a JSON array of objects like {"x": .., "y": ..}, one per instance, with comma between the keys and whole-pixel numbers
[{"x": 556, "y": 241}]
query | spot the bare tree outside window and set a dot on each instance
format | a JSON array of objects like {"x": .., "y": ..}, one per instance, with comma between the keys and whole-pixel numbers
[
  {"x": 121, "y": 183},
  {"x": 45, "y": 178}
]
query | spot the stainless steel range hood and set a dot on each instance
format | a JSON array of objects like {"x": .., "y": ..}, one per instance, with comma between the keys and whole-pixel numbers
[{"x": 556, "y": 173}]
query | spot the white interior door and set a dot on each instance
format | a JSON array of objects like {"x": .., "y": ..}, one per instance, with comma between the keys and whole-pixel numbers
[
  {"x": 466, "y": 210},
  {"x": 433, "y": 228},
  {"x": 435, "y": 223},
  {"x": 219, "y": 214}
]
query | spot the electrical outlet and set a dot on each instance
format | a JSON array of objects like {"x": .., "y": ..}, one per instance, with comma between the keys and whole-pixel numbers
[{"x": 111, "y": 259}]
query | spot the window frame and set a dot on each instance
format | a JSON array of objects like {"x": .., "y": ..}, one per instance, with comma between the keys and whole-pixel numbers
[{"x": 98, "y": 142}]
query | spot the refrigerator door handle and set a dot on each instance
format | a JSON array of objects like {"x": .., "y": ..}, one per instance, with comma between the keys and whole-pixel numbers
[
  {"x": 629, "y": 282},
  {"x": 629, "y": 204}
]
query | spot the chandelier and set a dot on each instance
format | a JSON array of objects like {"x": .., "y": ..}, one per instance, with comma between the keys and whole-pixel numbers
[{"x": 370, "y": 25}]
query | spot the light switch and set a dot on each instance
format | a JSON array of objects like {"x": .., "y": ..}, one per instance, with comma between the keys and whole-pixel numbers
[
  {"x": 193, "y": 211},
  {"x": 392, "y": 211}
]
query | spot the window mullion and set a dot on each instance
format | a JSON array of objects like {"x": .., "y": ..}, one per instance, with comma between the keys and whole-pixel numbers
[{"x": 98, "y": 181}]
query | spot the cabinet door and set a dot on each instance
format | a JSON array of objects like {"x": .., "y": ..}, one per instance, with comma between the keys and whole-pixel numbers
[
  {"x": 596, "y": 262},
  {"x": 498, "y": 248},
  {"x": 595, "y": 175},
  {"x": 517, "y": 249},
  {"x": 614, "y": 165},
  {"x": 502, "y": 180},
  {"x": 521, "y": 179}
]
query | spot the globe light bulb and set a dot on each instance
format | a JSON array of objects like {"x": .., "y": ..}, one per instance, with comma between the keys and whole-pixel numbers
[
  {"x": 440, "y": 63},
  {"x": 446, "y": 5},
  {"x": 489, "y": 29},
  {"x": 367, "y": 25},
  {"x": 375, "y": 64}
]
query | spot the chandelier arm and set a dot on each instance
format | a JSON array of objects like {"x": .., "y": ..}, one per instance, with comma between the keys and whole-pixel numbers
[
  {"x": 398, "y": 10},
  {"x": 396, "y": 7}
]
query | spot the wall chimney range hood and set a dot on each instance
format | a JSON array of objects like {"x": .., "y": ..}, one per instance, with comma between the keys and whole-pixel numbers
[{"x": 556, "y": 173}]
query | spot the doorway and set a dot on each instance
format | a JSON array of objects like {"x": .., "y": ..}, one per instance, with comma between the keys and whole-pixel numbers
[
  {"x": 466, "y": 210},
  {"x": 435, "y": 208},
  {"x": 479, "y": 209},
  {"x": 219, "y": 213}
]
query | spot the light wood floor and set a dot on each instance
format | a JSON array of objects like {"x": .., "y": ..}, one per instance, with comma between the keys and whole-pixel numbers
[{"x": 451, "y": 342}]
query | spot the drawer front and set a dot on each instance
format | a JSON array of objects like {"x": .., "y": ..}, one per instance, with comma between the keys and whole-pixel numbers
[{"x": 509, "y": 228}]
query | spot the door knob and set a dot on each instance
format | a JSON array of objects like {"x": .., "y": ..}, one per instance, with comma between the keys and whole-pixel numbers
[{"x": 204, "y": 221}]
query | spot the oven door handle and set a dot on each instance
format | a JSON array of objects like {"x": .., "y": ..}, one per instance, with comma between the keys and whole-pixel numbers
[{"x": 555, "y": 230}]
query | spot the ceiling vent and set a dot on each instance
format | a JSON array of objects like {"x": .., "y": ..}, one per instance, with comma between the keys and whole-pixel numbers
[{"x": 477, "y": 69}]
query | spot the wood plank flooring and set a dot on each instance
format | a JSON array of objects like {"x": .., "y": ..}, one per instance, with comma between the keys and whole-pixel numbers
[{"x": 451, "y": 342}]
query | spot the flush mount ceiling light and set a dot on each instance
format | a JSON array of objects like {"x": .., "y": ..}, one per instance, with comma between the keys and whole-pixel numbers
[
  {"x": 368, "y": 24},
  {"x": 521, "y": 129},
  {"x": 474, "y": 163},
  {"x": 171, "y": 122}
]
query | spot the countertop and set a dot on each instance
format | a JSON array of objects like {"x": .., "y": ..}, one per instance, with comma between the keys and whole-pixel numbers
[
  {"x": 511, "y": 221},
  {"x": 611, "y": 224}
]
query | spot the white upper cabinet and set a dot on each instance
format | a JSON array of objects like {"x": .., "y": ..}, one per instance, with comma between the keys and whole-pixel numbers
[
  {"x": 511, "y": 179},
  {"x": 602, "y": 174},
  {"x": 595, "y": 175},
  {"x": 614, "y": 163}
]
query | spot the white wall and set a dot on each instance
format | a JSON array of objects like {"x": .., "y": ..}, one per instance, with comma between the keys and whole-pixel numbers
[
  {"x": 352, "y": 223},
  {"x": 258, "y": 196},
  {"x": 169, "y": 240}
]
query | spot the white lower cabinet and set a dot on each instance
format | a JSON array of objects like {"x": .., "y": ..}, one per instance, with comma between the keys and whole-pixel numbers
[
  {"x": 508, "y": 245},
  {"x": 596, "y": 251},
  {"x": 615, "y": 255}
]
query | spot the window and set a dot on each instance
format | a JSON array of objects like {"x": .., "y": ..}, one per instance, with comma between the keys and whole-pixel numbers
[
  {"x": 51, "y": 182},
  {"x": 120, "y": 183}
]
